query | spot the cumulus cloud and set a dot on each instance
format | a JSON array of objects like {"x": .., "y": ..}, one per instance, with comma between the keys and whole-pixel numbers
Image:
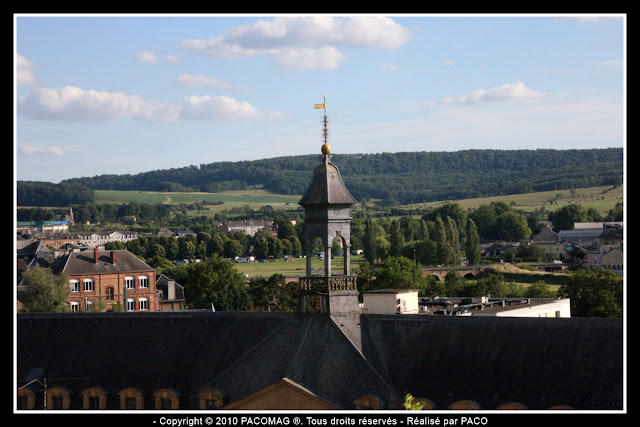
[
  {"x": 148, "y": 57},
  {"x": 25, "y": 72},
  {"x": 303, "y": 43},
  {"x": 27, "y": 150},
  {"x": 190, "y": 80},
  {"x": 508, "y": 93},
  {"x": 75, "y": 104}
]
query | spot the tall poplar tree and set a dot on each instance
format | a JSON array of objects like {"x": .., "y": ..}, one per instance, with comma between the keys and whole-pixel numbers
[
  {"x": 444, "y": 250},
  {"x": 453, "y": 237},
  {"x": 396, "y": 239},
  {"x": 472, "y": 243}
]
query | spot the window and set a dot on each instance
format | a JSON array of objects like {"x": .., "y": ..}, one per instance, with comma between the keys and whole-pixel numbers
[
  {"x": 131, "y": 403},
  {"x": 143, "y": 303},
  {"x": 74, "y": 306},
  {"x": 58, "y": 398},
  {"x": 74, "y": 285},
  {"x": 88, "y": 285},
  {"x": 131, "y": 398},
  {"x": 94, "y": 398},
  {"x": 166, "y": 399},
  {"x": 57, "y": 402},
  {"x": 143, "y": 281},
  {"x": 109, "y": 296},
  {"x": 211, "y": 399},
  {"x": 368, "y": 402},
  {"x": 26, "y": 398},
  {"x": 129, "y": 282},
  {"x": 131, "y": 304},
  {"x": 93, "y": 402}
]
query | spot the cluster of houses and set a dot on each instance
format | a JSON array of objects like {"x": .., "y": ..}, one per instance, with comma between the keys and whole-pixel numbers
[
  {"x": 101, "y": 280},
  {"x": 600, "y": 244}
]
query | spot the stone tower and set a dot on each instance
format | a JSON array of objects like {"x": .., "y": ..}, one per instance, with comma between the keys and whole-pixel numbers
[{"x": 327, "y": 204}]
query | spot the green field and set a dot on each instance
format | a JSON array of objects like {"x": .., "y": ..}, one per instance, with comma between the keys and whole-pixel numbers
[
  {"x": 600, "y": 198},
  {"x": 255, "y": 199},
  {"x": 295, "y": 267}
]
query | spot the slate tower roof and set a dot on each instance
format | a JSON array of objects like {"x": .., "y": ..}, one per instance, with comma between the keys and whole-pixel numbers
[{"x": 326, "y": 186}]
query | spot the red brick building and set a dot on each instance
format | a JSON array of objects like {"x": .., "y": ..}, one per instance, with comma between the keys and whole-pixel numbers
[{"x": 108, "y": 280}]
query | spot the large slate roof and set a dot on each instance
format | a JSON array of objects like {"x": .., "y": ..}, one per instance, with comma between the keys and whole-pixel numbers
[
  {"x": 537, "y": 362},
  {"x": 312, "y": 351}
]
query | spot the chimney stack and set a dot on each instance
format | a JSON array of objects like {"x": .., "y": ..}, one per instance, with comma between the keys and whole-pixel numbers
[
  {"x": 113, "y": 257},
  {"x": 95, "y": 255}
]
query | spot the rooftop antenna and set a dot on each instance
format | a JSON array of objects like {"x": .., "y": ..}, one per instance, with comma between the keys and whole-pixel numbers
[{"x": 326, "y": 149}]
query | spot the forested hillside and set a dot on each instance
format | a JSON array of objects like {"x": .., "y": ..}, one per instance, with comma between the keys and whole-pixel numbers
[{"x": 394, "y": 178}]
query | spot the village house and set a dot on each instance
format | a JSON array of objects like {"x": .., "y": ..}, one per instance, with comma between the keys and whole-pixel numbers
[
  {"x": 170, "y": 294},
  {"x": 103, "y": 280},
  {"x": 248, "y": 227}
]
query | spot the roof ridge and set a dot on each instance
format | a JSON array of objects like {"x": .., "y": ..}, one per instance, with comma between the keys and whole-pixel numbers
[
  {"x": 250, "y": 351},
  {"x": 299, "y": 349}
]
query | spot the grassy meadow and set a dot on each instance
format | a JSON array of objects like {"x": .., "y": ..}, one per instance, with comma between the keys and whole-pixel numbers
[
  {"x": 255, "y": 199},
  {"x": 600, "y": 198},
  {"x": 295, "y": 267}
]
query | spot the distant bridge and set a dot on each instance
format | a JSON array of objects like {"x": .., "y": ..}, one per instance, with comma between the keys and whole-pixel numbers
[{"x": 466, "y": 271}]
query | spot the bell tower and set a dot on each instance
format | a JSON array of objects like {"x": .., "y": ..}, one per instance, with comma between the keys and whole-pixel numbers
[{"x": 327, "y": 204}]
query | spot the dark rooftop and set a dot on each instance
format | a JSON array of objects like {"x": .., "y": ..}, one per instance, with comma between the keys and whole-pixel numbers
[
  {"x": 534, "y": 361},
  {"x": 326, "y": 187}
]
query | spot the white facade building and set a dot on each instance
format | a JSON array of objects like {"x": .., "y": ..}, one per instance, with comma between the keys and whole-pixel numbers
[{"x": 391, "y": 301}]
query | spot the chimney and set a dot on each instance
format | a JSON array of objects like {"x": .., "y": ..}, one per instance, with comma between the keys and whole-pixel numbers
[
  {"x": 171, "y": 290},
  {"x": 113, "y": 257},
  {"x": 95, "y": 255}
]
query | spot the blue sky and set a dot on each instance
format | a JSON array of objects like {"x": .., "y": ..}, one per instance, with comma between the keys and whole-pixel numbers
[{"x": 123, "y": 94}]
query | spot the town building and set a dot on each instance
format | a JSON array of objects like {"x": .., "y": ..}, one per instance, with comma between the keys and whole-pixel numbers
[
  {"x": 105, "y": 280},
  {"x": 249, "y": 227},
  {"x": 170, "y": 294},
  {"x": 496, "y": 307},
  {"x": 31, "y": 227},
  {"x": 612, "y": 260},
  {"x": 391, "y": 301},
  {"x": 101, "y": 238}
]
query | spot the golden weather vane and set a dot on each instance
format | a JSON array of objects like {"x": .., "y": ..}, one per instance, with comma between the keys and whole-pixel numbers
[{"x": 325, "y": 131}]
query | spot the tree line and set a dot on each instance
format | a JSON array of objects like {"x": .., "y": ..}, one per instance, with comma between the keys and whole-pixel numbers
[
  {"x": 394, "y": 178},
  {"x": 593, "y": 292}
]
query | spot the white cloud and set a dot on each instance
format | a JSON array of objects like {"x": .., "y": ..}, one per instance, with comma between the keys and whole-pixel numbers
[
  {"x": 25, "y": 72},
  {"x": 616, "y": 64},
  {"x": 303, "y": 43},
  {"x": 190, "y": 80},
  {"x": 75, "y": 104},
  {"x": 148, "y": 57},
  {"x": 507, "y": 93},
  {"x": 28, "y": 150},
  {"x": 301, "y": 59}
]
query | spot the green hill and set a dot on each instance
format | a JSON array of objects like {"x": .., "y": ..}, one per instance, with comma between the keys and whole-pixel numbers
[{"x": 392, "y": 178}]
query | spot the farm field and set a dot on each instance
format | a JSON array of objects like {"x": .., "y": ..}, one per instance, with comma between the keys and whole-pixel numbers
[
  {"x": 255, "y": 199},
  {"x": 600, "y": 198}
]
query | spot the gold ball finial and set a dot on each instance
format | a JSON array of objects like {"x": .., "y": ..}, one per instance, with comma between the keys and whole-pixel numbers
[{"x": 326, "y": 149}]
